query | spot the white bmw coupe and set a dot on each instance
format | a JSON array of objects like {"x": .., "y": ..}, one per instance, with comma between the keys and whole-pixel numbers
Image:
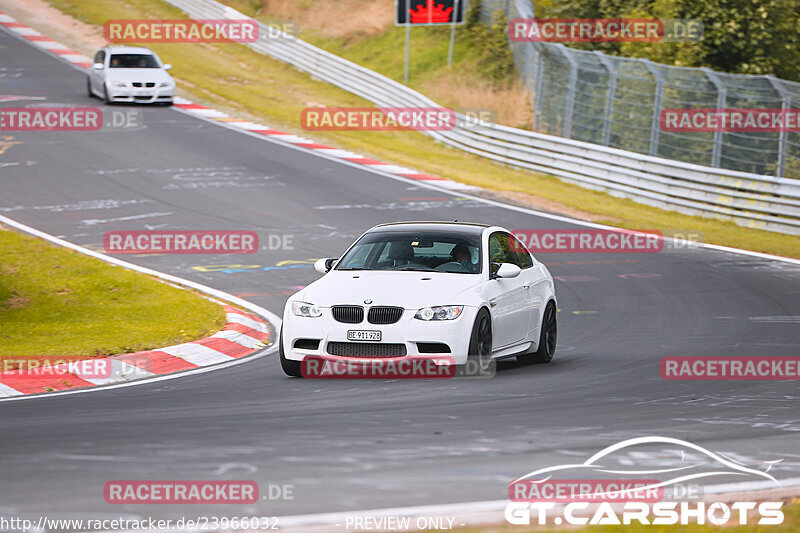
[{"x": 467, "y": 291}]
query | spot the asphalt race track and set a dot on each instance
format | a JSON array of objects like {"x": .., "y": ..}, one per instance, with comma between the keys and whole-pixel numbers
[{"x": 353, "y": 445}]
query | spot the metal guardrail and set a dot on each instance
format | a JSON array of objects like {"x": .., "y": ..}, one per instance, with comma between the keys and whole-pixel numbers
[
  {"x": 751, "y": 200},
  {"x": 616, "y": 101}
]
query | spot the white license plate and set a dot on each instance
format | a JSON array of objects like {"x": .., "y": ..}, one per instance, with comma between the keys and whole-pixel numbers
[{"x": 363, "y": 335}]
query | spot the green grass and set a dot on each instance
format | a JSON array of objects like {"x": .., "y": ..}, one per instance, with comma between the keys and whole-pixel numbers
[
  {"x": 55, "y": 301},
  {"x": 250, "y": 85}
]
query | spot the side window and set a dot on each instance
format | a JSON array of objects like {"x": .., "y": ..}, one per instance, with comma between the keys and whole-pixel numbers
[
  {"x": 498, "y": 248},
  {"x": 100, "y": 57},
  {"x": 520, "y": 255}
]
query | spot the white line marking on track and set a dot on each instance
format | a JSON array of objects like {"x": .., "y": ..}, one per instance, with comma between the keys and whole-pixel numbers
[
  {"x": 197, "y": 354},
  {"x": 239, "y": 338}
]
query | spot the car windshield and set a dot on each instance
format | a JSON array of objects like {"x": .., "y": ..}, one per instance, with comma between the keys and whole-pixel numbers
[
  {"x": 426, "y": 251},
  {"x": 133, "y": 61}
]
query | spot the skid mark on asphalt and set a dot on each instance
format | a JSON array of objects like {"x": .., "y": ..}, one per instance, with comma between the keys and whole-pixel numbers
[
  {"x": 752, "y": 422},
  {"x": 86, "y": 205},
  {"x": 411, "y": 206},
  {"x": 95, "y": 221},
  {"x": 716, "y": 400}
]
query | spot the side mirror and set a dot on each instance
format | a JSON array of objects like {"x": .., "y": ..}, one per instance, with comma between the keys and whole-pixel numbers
[
  {"x": 507, "y": 270},
  {"x": 97, "y": 66},
  {"x": 167, "y": 66},
  {"x": 323, "y": 266}
]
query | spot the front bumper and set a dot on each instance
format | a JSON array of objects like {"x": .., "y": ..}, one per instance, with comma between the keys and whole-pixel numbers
[
  {"x": 408, "y": 331},
  {"x": 145, "y": 95}
]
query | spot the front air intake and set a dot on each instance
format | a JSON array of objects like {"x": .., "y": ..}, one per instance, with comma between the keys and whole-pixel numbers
[
  {"x": 348, "y": 314},
  {"x": 384, "y": 315}
]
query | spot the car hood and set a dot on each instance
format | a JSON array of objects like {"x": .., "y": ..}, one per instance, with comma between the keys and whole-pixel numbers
[
  {"x": 410, "y": 290},
  {"x": 137, "y": 74}
]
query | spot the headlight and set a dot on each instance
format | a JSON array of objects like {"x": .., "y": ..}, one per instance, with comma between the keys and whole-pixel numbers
[
  {"x": 444, "y": 312},
  {"x": 306, "y": 309},
  {"x": 164, "y": 84},
  {"x": 119, "y": 83}
]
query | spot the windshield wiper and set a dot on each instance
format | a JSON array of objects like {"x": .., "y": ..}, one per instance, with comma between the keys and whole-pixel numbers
[{"x": 415, "y": 269}]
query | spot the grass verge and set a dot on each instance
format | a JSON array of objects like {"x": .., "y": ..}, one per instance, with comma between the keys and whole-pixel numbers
[
  {"x": 55, "y": 301},
  {"x": 247, "y": 84}
]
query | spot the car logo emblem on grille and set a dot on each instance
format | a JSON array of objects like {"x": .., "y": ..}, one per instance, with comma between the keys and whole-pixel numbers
[{"x": 367, "y": 301}]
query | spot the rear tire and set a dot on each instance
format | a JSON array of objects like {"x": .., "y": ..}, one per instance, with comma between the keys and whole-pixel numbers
[
  {"x": 547, "y": 338},
  {"x": 290, "y": 368}
]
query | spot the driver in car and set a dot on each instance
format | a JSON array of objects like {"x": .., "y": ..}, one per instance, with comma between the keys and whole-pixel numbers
[{"x": 460, "y": 254}]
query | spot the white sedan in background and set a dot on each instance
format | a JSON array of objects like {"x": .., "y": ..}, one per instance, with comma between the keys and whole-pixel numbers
[
  {"x": 130, "y": 74},
  {"x": 467, "y": 291}
]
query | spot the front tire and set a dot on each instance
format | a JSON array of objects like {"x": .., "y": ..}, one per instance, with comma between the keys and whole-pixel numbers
[
  {"x": 290, "y": 368},
  {"x": 89, "y": 87},
  {"x": 547, "y": 338},
  {"x": 480, "y": 342},
  {"x": 106, "y": 99}
]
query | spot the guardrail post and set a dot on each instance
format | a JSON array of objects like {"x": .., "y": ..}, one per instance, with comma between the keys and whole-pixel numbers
[
  {"x": 538, "y": 101},
  {"x": 786, "y": 104},
  {"x": 566, "y": 128},
  {"x": 722, "y": 95},
  {"x": 612, "y": 92},
  {"x": 655, "y": 128}
]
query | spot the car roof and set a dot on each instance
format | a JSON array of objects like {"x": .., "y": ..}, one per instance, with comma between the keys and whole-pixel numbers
[
  {"x": 128, "y": 50},
  {"x": 450, "y": 226}
]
